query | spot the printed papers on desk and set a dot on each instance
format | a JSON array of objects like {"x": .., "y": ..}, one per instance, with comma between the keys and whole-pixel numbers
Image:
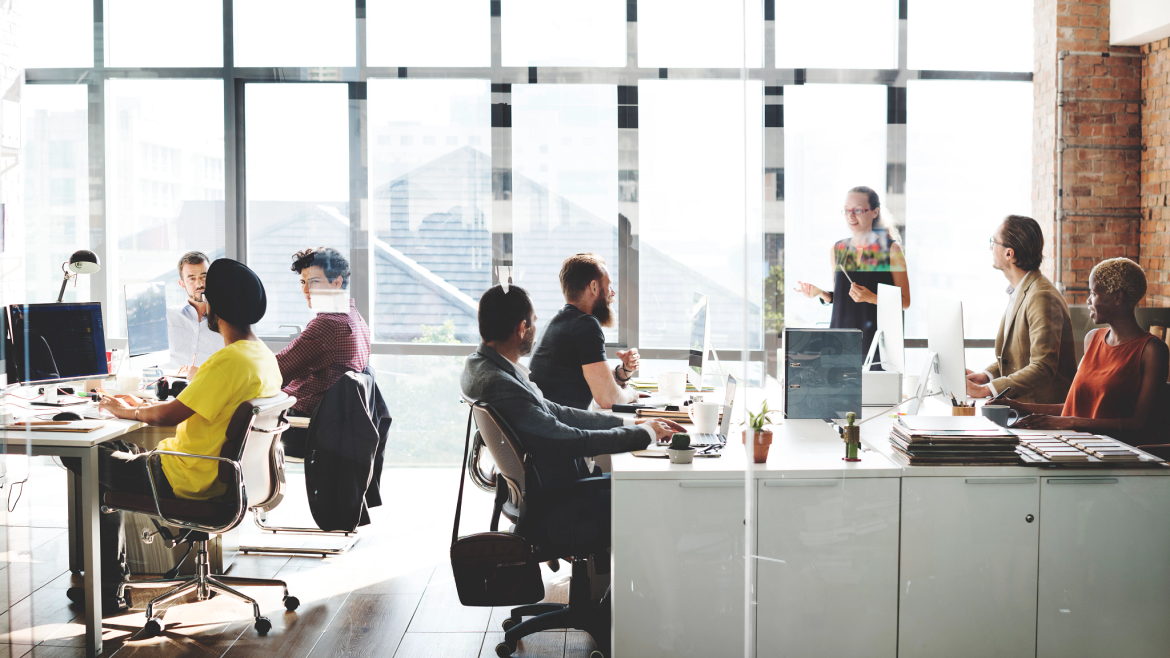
[{"x": 952, "y": 441}]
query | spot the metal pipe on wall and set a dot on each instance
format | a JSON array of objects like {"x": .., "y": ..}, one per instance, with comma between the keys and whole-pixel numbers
[{"x": 1061, "y": 145}]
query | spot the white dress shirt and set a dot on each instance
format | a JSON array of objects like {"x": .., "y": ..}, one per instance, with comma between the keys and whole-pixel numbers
[
  {"x": 1012, "y": 293},
  {"x": 189, "y": 337}
]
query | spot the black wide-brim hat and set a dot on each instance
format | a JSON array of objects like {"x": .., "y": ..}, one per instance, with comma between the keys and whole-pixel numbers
[{"x": 235, "y": 293}]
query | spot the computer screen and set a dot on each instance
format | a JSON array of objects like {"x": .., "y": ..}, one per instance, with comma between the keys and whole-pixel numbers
[
  {"x": 55, "y": 342},
  {"x": 698, "y": 333},
  {"x": 945, "y": 337},
  {"x": 146, "y": 318}
]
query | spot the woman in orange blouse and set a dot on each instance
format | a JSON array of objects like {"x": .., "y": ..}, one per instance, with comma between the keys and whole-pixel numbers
[{"x": 1116, "y": 387}]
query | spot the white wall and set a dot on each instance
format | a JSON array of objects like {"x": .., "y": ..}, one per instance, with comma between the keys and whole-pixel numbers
[{"x": 1138, "y": 22}]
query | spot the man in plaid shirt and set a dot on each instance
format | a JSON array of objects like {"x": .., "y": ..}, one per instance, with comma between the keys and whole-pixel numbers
[{"x": 333, "y": 343}]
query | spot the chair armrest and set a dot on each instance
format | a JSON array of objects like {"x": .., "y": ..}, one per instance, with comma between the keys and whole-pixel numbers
[{"x": 235, "y": 465}]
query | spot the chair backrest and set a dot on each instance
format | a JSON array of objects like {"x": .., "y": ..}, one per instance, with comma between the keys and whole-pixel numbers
[
  {"x": 253, "y": 438},
  {"x": 505, "y": 448}
]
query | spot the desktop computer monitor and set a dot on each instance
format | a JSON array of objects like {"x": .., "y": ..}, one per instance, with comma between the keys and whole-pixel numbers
[
  {"x": 146, "y": 325},
  {"x": 55, "y": 343},
  {"x": 892, "y": 352},
  {"x": 945, "y": 338},
  {"x": 700, "y": 337}
]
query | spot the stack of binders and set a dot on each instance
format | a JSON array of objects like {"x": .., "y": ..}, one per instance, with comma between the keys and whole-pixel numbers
[{"x": 953, "y": 441}]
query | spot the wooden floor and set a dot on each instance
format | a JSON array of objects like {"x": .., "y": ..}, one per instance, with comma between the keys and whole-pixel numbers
[{"x": 391, "y": 595}]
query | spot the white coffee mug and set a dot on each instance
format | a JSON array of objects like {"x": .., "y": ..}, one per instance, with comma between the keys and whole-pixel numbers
[
  {"x": 999, "y": 414},
  {"x": 129, "y": 383},
  {"x": 704, "y": 416},
  {"x": 673, "y": 386}
]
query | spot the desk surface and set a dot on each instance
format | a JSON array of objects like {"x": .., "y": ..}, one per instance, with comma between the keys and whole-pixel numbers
[
  {"x": 113, "y": 429},
  {"x": 813, "y": 449}
]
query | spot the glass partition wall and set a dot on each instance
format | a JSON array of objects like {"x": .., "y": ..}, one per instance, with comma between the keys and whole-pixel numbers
[{"x": 698, "y": 147}]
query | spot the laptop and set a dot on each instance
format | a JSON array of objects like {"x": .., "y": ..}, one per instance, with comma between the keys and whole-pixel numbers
[{"x": 720, "y": 439}]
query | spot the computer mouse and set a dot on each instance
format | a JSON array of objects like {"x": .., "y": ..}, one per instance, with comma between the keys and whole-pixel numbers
[{"x": 67, "y": 415}]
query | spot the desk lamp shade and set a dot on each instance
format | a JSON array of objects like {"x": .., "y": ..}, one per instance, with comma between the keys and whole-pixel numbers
[{"x": 83, "y": 261}]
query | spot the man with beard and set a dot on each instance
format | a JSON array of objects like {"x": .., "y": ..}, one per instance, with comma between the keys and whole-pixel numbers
[
  {"x": 243, "y": 369},
  {"x": 191, "y": 340},
  {"x": 557, "y": 437},
  {"x": 569, "y": 364}
]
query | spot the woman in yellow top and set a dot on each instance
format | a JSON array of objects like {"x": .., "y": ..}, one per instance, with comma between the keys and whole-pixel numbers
[{"x": 244, "y": 369}]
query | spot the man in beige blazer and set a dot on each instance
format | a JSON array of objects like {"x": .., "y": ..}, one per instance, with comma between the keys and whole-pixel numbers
[{"x": 1034, "y": 347}]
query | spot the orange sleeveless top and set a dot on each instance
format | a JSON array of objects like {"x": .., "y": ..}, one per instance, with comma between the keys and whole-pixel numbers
[{"x": 1108, "y": 380}]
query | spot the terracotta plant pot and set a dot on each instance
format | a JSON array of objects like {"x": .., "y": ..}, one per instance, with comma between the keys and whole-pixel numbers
[{"x": 761, "y": 443}]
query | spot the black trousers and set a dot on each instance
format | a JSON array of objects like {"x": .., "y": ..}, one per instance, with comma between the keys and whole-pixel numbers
[
  {"x": 121, "y": 467},
  {"x": 580, "y": 517}
]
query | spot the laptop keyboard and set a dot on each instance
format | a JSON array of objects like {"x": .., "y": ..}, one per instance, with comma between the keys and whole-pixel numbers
[{"x": 701, "y": 440}]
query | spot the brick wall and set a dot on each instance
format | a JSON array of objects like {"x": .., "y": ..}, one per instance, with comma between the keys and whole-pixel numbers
[
  {"x": 1101, "y": 137},
  {"x": 1155, "y": 192}
]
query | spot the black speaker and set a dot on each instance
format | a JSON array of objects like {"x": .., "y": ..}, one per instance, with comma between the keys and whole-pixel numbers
[
  {"x": 822, "y": 372},
  {"x": 167, "y": 389}
]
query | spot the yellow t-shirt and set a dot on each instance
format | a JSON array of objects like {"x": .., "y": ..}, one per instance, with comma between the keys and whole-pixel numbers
[{"x": 244, "y": 370}]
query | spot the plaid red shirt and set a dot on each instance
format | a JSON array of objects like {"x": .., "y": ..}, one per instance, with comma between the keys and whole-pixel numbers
[{"x": 331, "y": 345}]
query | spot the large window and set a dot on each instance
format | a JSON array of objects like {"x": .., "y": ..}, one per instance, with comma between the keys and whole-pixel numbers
[
  {"x": 165, "y": 188},
  {"x": 697, "y": 146},
  {"x": 298, "y": 187}
]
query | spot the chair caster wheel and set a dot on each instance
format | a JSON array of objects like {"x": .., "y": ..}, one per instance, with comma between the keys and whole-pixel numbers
[
  {"x": 263, "y": 625},
  {"x": 291, "y": 603},
  {"x": 503, "y": 650},
  {"x": 153, "y": 627},
  {"x": 596, "y": 654},
  {"x": 508, "y": 624}
]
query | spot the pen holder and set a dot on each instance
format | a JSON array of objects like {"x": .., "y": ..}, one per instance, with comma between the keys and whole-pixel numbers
[{"x": 962, "y": 411}]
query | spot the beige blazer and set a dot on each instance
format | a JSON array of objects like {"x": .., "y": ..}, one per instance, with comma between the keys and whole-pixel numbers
[{"x": 1034, "y": 349}]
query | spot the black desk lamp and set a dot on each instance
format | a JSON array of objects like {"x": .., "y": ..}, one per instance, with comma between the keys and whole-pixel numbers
[{"x": 83, "y": 261}]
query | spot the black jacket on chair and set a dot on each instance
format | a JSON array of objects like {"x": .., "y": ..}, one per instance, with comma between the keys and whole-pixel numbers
[{"x": 343, "y": 452}]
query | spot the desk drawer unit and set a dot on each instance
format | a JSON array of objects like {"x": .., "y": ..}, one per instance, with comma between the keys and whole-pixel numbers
[
  {"x": 1104, "y": 567},
  {"x": 967, "y": 586},
  {"x": 678, "y": 575},
  {"x": 827, "y": 572}
]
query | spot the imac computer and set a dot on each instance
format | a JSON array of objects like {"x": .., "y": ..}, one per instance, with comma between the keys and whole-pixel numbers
[
  {"x": 889, "y": 345},
  {"x": 700, "y": 351},
  {"x": 944, "y": 339},
  {"x": 146, "y": 325},
  {"x": 55, "y": 343}
]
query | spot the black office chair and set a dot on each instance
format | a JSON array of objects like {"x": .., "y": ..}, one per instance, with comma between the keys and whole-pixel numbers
[
  {"x": 1160, "y": 442},
  {"x": 520, "y": 498},
  {"x": 246, "y": 462}
]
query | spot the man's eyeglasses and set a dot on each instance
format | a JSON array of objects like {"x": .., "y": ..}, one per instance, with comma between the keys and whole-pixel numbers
[
  {"x": 855, "y": 211},
  {"x": 991, "y": 242}
]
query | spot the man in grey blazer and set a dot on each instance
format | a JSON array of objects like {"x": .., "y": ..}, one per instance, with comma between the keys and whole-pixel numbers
[{"x": 557, "y": 437}]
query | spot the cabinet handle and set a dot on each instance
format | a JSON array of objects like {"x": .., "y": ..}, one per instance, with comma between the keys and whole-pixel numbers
[
  {"x": 1082, "y": 481},
  {"x": 709, "y": 484},
  {"x": 800, "y": 483},
  {"x": 1001, "y": 480}
]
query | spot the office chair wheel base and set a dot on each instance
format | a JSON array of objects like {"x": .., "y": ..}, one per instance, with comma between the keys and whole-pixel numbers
[
  {"x": 263, "y": 625},
  {"x": 291, "y": 603},
  {"x": 153, "y": 627},
  {"x": 503, "y": 650},
  {"x": 596, "y": 654},
  {"x": 508, "y": 624}
]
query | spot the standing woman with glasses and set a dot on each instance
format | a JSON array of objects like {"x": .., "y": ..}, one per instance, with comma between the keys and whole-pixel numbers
[{"x": 871, "y": 255}]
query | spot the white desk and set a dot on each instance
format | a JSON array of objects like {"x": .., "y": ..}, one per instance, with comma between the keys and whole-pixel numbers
[
  {"x": 877, "y": 559},
  {"x": 83, "y": 447}
]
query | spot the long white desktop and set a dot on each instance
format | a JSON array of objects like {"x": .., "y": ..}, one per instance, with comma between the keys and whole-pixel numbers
[{"x": 877, "y": 559}]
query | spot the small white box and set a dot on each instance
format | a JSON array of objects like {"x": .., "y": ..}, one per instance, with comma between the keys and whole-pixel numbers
[{"x": 880, "y": 388}]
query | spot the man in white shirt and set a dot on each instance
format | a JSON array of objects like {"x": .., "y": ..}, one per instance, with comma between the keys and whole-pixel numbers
[{"x": 191, "y": 340}]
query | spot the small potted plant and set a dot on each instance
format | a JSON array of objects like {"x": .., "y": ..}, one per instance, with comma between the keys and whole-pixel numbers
[
  {"x": 761, "y": 438},
  {"x": 680, "y": 450}
]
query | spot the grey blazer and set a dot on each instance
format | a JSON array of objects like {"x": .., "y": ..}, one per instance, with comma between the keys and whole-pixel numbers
[{"x": 556, "y": 436}]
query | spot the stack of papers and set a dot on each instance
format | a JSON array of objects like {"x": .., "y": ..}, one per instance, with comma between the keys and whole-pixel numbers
[
  {"x": 651, "y": 385},
  {"x": 952, "y": 441}
]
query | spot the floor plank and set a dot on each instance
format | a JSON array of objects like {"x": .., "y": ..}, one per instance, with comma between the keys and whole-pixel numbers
[
  {"x": 322, "y": 597},
  {"x": 440, "y": 645},
  {"x": 368, "y": 625},
  {"x": 441, "y": 612}
]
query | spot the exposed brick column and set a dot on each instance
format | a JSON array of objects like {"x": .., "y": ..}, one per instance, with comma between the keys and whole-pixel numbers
[
  {"x": 1155, "y": 193},
  {"x": 1101, "y": 133}
]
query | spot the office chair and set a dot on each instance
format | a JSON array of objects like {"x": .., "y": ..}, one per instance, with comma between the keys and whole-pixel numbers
[
  {"x": 1160, "y": 449},
  {"x": 346, "y": 386},
  {"x": 519, "y": 497},
  {"x": 247, "y": 460}
]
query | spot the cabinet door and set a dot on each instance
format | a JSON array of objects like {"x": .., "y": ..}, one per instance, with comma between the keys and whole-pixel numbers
[
  {"x": 827, "y": 571},
  {"x": 967, "y": 585},
  {"x": 1104, "y": 567},
  {"x": 678, "y": 568}
]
